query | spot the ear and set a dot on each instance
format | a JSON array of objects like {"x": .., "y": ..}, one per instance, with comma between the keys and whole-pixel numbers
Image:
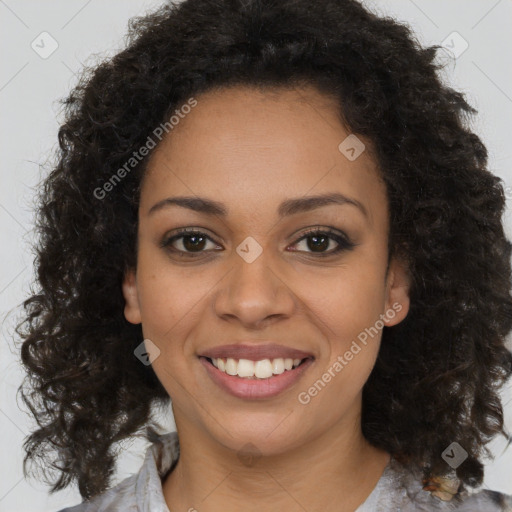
[
  {"x": 398, "y": 285},
  {"x": 131, "y": 297}
]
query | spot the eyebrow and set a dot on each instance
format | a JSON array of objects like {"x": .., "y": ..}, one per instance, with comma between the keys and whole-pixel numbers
[{"x": 286, "y": 208}]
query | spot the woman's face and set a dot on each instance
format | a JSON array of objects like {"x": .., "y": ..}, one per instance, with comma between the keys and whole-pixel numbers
[{"x": 270, "y": 266}]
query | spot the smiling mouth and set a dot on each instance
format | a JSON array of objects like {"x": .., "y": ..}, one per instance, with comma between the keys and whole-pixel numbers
[{"x": 255, "y": 370}]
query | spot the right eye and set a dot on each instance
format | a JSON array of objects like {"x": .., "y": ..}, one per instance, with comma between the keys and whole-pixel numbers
[{"x": 188, "y": 242}]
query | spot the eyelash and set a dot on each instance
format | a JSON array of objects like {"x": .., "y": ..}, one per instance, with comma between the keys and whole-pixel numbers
[{"x": 344, "y": 243}]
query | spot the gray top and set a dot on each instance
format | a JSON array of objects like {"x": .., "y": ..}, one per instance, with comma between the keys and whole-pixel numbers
[{"x": 398, "y": 490}]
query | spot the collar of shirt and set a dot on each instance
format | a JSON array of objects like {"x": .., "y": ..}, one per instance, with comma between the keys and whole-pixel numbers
[
  {"x": 398, "y": 489},
  {"x": 160, "y": 458}
]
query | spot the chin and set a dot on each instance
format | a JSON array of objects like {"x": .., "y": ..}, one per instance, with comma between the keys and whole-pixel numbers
[{"x": 266, "y": 435}]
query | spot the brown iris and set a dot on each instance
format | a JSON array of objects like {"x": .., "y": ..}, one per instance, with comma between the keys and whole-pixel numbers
[
  {"x": 194, "y": 242},
  {"x": 316, "y": 246}
]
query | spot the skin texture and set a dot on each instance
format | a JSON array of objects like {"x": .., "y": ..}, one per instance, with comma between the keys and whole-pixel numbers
[
  {"x": 441, "y": 369},
  {"x": 289, "y": 295}
]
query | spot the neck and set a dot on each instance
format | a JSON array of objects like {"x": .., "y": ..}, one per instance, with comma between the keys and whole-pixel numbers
[{"x": 334, "y": 472}]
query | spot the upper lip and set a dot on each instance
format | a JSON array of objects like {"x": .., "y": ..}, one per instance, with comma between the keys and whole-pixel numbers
[{"x": 254, "y": 352}]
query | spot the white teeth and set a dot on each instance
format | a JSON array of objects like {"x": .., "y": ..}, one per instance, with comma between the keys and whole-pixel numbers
[
  {"x": 262, "y": 369},
  {"x": 278, "y": 366},
  {"x": 245, "y": 368},
  {"x": 231, "y": 366}
]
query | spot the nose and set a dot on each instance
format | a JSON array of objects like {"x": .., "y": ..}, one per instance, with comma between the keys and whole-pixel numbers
[{"x": 253, "y": 294}]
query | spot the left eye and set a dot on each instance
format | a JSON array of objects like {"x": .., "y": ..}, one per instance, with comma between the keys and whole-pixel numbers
[{"x": 317, "y": 242}]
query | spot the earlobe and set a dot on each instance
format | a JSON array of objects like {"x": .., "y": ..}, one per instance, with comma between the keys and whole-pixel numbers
[
  {"x": 131, "y": 297},
  {"x": 397, "y": 292}
]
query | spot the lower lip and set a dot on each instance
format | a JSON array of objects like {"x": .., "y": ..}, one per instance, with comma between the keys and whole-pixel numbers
[{"x": 255, "y": 388}]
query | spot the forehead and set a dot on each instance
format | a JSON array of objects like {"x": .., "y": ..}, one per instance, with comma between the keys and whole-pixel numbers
[{"x": 244, "y": 142}]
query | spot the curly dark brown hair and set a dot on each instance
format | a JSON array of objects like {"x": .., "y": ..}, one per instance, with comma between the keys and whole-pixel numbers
[{"x": 438, "y": 374}]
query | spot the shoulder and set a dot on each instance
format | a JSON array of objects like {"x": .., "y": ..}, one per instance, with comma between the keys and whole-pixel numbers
[
  {"x": 401, "y": 489},
  {"x": 122, "y": 497},
  {"x": 142, "y": 491},
  {"x": 487, "y": 500},
  {"x": 448, "y": 497}
]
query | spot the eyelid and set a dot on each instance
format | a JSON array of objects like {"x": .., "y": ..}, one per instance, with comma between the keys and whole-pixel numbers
[
  {"x": 320, "y": 229},
  {"x": 343, "y": 240},
  {"x": 181, "y": 232}
]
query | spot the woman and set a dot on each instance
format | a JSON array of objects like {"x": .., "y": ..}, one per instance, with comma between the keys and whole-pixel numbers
[{"x": 273, "y": 214}]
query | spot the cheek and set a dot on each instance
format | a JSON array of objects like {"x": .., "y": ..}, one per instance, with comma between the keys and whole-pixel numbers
[
  {"x": 169, "y": 298},
  {"x": 170, "y": 309},
  {"x": 348, "y": 308},
  {"x": 351, "y": 298},
  {"x": 349, "y": 318}
]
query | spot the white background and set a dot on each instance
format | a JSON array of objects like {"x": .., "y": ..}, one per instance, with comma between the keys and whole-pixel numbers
[{"x": 30, "y": 86}]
